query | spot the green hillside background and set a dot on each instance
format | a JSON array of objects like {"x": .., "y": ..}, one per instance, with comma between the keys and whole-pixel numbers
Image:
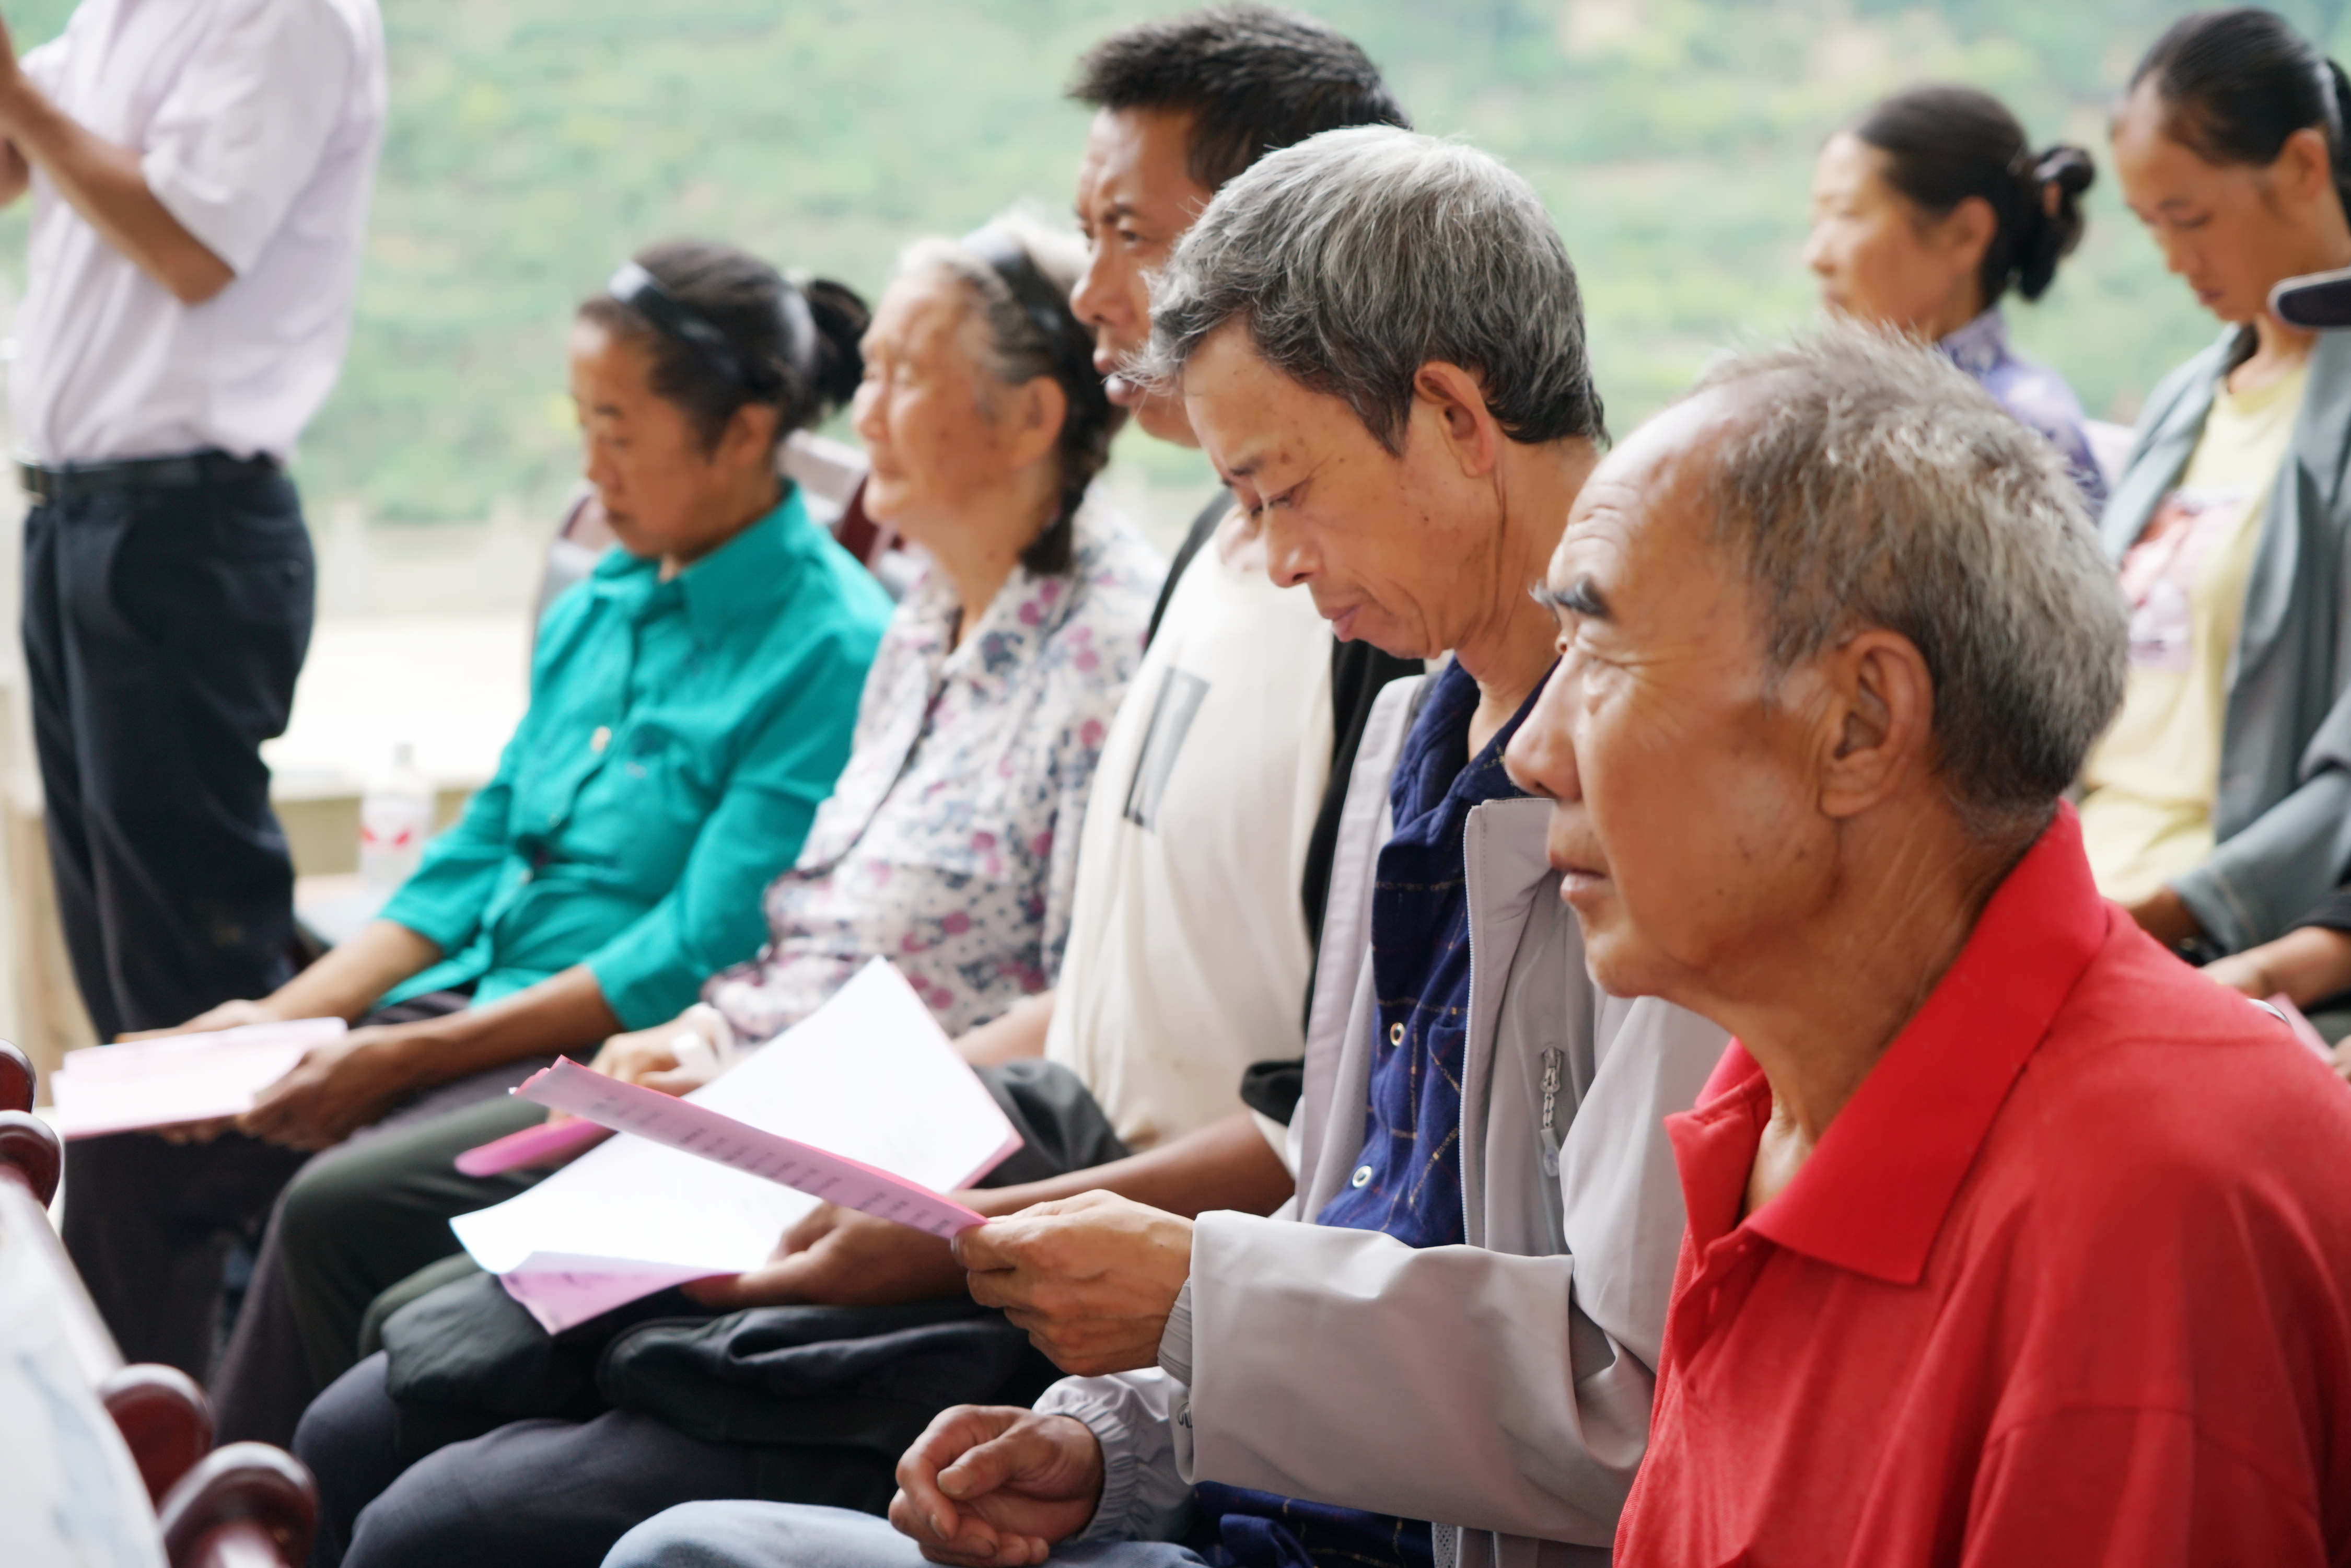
[{"x": 534, "y": 142}]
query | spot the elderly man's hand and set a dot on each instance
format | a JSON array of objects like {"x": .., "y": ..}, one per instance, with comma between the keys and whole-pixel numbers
[
  {"x": 839, "y": 1257},
  {"x": 994, "y": 1486},
  {"x": 1092, "y": 1278}
]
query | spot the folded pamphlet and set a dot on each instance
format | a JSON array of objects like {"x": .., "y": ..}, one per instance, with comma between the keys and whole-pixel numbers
[
  {"x": 869, "y": 1080},
  {"x": 708, "y": 1135},
  {"x": 180, "y": 1079}
]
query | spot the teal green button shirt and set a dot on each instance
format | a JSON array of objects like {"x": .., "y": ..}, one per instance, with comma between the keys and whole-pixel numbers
[{"x": 679, "y": 738}]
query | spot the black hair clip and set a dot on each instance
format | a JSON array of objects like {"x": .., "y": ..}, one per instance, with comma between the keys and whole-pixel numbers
[{"x": 1066, "y": 342}]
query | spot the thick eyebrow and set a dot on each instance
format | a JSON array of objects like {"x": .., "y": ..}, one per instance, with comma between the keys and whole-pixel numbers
[{"x": 1581, "y": 596}]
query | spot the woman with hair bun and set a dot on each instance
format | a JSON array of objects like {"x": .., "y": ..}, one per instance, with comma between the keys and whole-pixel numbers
[
  {"x": 949, "y": 846},
  {"x": 692, "y": 702},
  {"x": 1925, "y": 211},
  {"x": 2218, "y": 808}
]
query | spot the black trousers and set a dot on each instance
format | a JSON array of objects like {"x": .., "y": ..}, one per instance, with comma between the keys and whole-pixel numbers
[
  {"x": 544, "y": 1493},
  {"x": 163, "y": 628}
]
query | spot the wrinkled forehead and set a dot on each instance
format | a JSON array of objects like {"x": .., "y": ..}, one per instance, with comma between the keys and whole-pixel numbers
[{"x": 1652, "y": 500}]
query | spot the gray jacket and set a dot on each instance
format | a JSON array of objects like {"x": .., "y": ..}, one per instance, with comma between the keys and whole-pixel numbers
[
  {"x": 2282, "y": 817},
  {"x": 1502, "y": 1388}
]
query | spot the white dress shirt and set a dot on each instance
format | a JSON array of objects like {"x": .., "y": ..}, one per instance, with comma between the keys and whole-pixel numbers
[{"x": 258, "y": 124}]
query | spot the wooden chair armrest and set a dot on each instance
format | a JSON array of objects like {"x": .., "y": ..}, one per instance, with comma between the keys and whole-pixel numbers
[
  {"x": 164, "y": 1418},
  {"x": 30, "y": 1152},
  {"x": 245, "y": 1505},
  {"x": 18, "y": 1079}
]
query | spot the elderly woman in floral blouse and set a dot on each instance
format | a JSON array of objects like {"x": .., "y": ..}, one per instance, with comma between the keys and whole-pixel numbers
[{"x": 949, "y": 843}]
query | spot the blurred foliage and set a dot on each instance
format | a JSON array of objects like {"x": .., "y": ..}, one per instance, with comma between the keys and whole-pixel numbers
[{"x": 535, "y": 142}]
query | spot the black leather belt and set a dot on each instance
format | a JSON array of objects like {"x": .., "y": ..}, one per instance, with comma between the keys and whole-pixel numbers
[{"x": 63, "y": 483}]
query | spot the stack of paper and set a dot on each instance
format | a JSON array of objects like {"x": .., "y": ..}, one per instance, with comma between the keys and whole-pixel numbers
[
  {"x": 869, "y": 1078},
  {"x": 184, "y": 1078}
]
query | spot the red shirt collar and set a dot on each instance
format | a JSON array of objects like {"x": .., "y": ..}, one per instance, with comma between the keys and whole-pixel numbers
[{"x": 1877, "y": 1186}]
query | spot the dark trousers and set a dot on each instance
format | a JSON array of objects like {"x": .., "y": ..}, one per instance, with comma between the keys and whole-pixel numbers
[
  {"x": 462, "y": 1483},
  {"x": 163, "y": 628},
  {"x": 544, "y": 1493},
  {"x": 353, "y": 1223},
  {"x": 148, "y": 1223}
]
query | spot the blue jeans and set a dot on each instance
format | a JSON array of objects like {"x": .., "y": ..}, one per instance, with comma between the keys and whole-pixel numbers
[{"x": 791, "y": 1535}]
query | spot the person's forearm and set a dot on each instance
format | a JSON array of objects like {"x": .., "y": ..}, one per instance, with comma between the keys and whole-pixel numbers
[
  {"x": 2165, "y": 916},
  {"x": 15, "y": 175},
  {"x": 347, "y": 981},
  {"x": 106, "y": 185},
  {"x": 1017, "y": 1036},
  {"x": 2306, "y": 965},
  {"x": 565, "y": 1012},
  {"x": 1226, "y": 1165}
]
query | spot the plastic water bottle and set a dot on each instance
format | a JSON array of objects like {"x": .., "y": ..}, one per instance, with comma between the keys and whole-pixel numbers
[{"x": 395, "y": 815}]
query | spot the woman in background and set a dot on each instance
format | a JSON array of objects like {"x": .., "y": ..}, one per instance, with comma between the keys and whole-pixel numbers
[
  {"x": 2217, "y": 809},
  {"x": 691, "y": 704},
  {"x": 1925, "y": 211}
]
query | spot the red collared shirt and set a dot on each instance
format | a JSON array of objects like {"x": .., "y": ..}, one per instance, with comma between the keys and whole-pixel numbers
[{"x": 2067, "y": 1281}]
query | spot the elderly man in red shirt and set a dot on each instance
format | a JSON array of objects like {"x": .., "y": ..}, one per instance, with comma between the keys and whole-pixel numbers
[{"x": 2011, "y": 1240}]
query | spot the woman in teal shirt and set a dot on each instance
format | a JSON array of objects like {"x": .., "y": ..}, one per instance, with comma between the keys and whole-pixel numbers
[{"x": 691, "y": 705}]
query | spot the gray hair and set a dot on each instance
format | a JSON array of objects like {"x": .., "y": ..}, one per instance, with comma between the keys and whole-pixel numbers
[
  {"x": 1012, "y": 347},
  {"x": 1866, "y": 482},
  {"x": 1359, "y": 256}
]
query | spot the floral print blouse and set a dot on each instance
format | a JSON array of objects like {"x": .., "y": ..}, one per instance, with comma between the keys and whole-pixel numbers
[{"x": 950, "y": 844}]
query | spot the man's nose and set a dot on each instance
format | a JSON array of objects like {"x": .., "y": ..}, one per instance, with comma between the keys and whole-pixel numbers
[
  {"x": 1288, "y": 561},
  {"x": 1541, "y": 758},
  {"x": 1091, "y": 301}
]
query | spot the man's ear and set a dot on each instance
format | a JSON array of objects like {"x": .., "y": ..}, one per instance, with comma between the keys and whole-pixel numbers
[
  {"x": 1878, "y": 723},
  {"x": 1457, "y": 401}
]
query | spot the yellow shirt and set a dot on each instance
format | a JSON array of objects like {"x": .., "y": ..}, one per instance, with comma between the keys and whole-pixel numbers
[{"x": 2146, "y": 810}]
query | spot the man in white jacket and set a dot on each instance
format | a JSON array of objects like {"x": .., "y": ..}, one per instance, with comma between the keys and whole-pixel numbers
[{"x": 1379, "y": 341}]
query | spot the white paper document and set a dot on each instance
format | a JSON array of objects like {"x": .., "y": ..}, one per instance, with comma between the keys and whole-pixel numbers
[
  {"x": 869, "y": 1079},
  {"x": 183, "y": 1078}
]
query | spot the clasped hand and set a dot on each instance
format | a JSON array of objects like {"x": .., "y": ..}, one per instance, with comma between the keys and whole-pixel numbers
[{"x": 994, "y": 1486}]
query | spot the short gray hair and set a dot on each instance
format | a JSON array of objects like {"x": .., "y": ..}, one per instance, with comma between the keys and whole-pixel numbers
[
  {"x": 1866, "y": 482},
  {"x": 1359, "y": 256}
]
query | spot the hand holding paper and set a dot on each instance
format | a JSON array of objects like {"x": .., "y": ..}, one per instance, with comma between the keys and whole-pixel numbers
[
  {"x": 179, "y": 1079},
  {"x": 869, "y": 1076},
  {"x": 698, "y": 1130}
]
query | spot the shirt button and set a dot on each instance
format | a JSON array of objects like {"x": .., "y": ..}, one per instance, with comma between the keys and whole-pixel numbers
[
  {"x": 523, "y": 875},
  {"x": 1362, "y": 1177},
  {"x": 1395, "y": 1034},
  {"x": 602, "y": 739}
]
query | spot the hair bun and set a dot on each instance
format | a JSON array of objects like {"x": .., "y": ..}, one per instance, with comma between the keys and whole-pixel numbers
[
  {"x": 2067, "y": 168},
  {"x": 2050, "y": 225},
  {"x": 841, "y": 316}
]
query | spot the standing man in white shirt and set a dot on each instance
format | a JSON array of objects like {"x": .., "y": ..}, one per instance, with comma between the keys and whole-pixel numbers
[{"x": 200, "y": 172}]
